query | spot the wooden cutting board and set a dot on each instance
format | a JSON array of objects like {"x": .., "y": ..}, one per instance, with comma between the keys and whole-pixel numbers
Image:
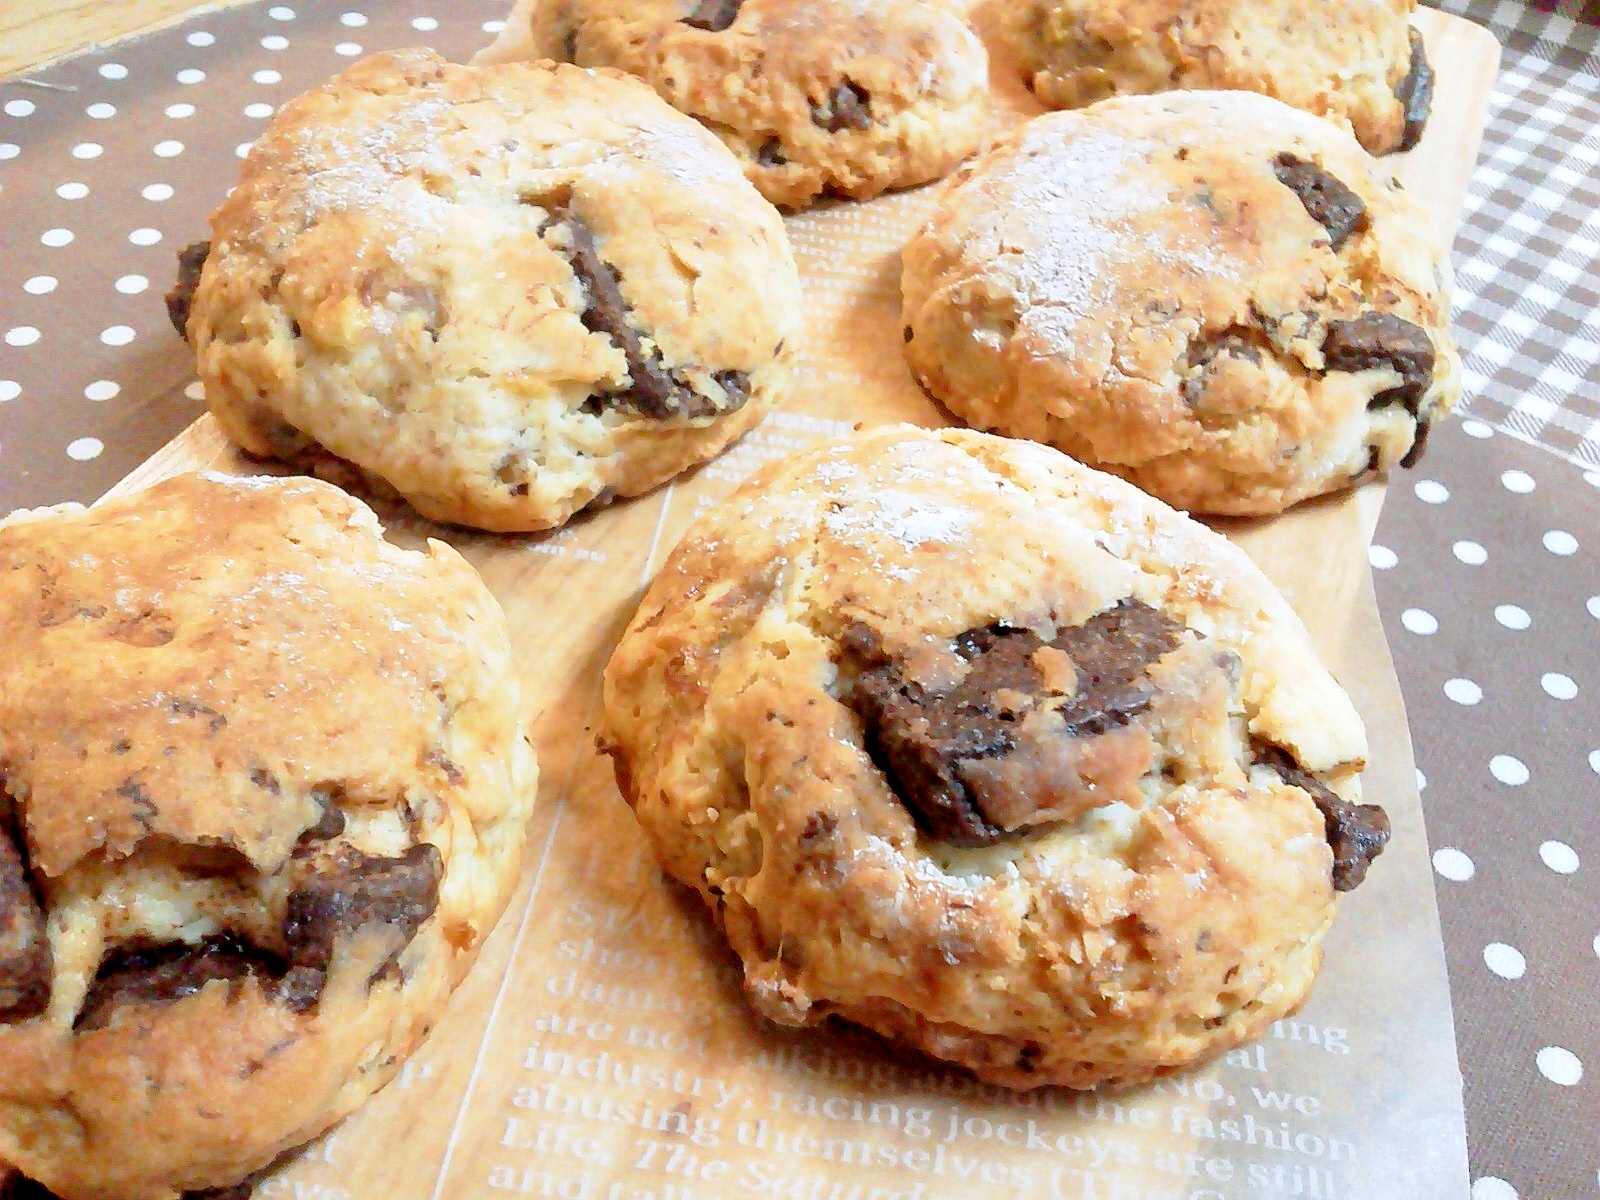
[{"x": 601, "y": 1049}]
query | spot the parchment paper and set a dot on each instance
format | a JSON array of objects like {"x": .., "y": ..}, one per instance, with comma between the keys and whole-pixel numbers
[{"x": 601, "y": 1049}]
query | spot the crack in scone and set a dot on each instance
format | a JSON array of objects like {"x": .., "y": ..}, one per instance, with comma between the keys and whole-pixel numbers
[
  {"x": 25, "y": 958},
  {"x": 1006, "y": 731},
  {"x": 1327, "y": 200},
  {"x": 1357, "y": 833},
  {"x": 653, "y": 390},
  {"x": 1415, "y": 93}
]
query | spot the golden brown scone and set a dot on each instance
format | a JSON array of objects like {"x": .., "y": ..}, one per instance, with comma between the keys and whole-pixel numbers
[
  {"x": 992, "y": 753},
  {"x": 845, "y": 97},
  {"x": 1355, "y": 61},
  {"x": 508, "y": 292},
  {"x": 263, "y": 788},
  {"x": 1216, "y": 296}
]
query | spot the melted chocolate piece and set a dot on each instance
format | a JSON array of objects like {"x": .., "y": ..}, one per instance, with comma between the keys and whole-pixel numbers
[
  {"x": 354, "y": 891},
  {"x": 1377, "y": 339},
  {"x": 921, "y": 737},
  {"x": 25, "y": 958},
  {"x": 714, "y": 15},
  {"x": 1327, "y": 201},
  {"x": 1415, "y": 92},
  {"x": 1237, "y": 341},
  {"x": 653, "y": 390},
  {"x": 847, "y": 108},
  {"x": 770, "y": 153},
  {"x": 162, "y": 974},
  {"x": 1357, "y": 833},
  {"x": 1419, "y": 444},
  {"x": 181, "y": 298}
]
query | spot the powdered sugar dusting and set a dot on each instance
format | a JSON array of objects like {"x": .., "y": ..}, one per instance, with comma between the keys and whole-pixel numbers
[{"x": 905, "y": 517}]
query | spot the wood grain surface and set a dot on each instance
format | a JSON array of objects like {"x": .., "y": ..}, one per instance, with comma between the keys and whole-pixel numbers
[{"x": 35, "y": 32}]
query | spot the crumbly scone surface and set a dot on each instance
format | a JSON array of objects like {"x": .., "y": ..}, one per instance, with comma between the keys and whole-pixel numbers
[
  {"x": 507, "y": 292},
  {"x": 1149, "y": 890},
  {"x": 263, "y": 789},
  {"x": 846, "y": 97},
  {"x": 1354, "y": 61},
  {"x": 1234, "y": 323}
]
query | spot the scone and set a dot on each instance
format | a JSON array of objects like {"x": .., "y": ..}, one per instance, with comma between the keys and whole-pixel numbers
[
  {"x": 263, "y": 789},
  {"x": 1223, "y": 299},
  {"x": 991, "y": 753},
  {"x": 1355, "y": 61},
  {"x": 506, "y": 292},
  {"x": 844, "y": 97}
]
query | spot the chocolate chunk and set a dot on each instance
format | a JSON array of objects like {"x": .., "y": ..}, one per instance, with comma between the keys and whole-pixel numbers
[
  {"x": 770, "y": 153},
  {"x": 19, "y": 1187},
  {"x": 1419, "y": 444},
  {"x": 181, "y": 298},
  {"x": 847, "y": 108},
  {"x": 653, "y": 390},
  {"x": 25, "y": 958},
  {"x": 922, "y": 736},
  {"x": 355, "y": 891},
  {"x": 162, "y": 974},
  {"x": 1415, "y": 92},
  {"x": 1237, "y": 341},
  {"x": 714, "y": 15},
  {"x": 1327, "y": 201},
  {"x": 1357, "y": 833},
  {"x": 329, "y": 825},
  {"x": 1377, "y": 339}
]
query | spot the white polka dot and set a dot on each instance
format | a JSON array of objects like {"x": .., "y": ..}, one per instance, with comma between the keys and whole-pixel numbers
[
  {"x": 1491, "y": 1188},
  {"x": 1512, "y": 617},
  {"x": 1559, "y": 857},
  {"x": 168, "y": 149},
  {"x": 87, "y": 150},
  {"x": 347, "y": 49},
  {"x": 57, "y": 237},
  {"x": 1559, "y": 1065},
  {"x": 1505, "y": 961},
  {"x": 101, "y": 112},
  {"x": 353, "y": 19},
  {"x": 1517, "y": 481},
  {"x": 267, "y": 76},
  {"x": 494, "y": 26},
  {"x": 1560, "y": 542},
  {"x": 242, "y": 150},
  {"x": 201, "y": 38},
  {"x": 1452, "y": 864},
  {"x": 258, "y": 111},
  {"x": 1512, "y": 772},
  {"x": 1476, "y": 429},
  {"x": 9, "y": 150},
  {"x": 1431, "y": 491},
  {"x": 102, "y": 389},
  {"x": 190, "y": 75},
  {"x": 19, "y": 108},
  {"x": 145, "y": 236},
  {"x": 113, "y": 71},
  {"x": 424, "y": 24},
  {"x": 132, "y": 285},
  {"x": 1558, "y": 686},
  {"x": 1381, "y": 557},
  {"x": 274, "y": 41},
  {"x": 1420, "y": 621},
  {"x": 1593, "y": 605},
  {"x": 117, "y": 335},
  {"x": 1422, "y": 780},
  {"x": 1594, "y": 761},
  {"x": 1470, "y": 553},
  {"x": 1597, "y": 945},
  {"x": 179, "y": 112},
  {"x": 10, "y": 389},
  {"x": 281, "y": 13},
  {"x": 73, "y": 191},
  {"x": 157, "y": 192},
  {"x": 1462, "y": 691},
  {"x": 84, "y": 448},
  {"x": 40, "y": 285},
  {"x": 22, "y": 335}
]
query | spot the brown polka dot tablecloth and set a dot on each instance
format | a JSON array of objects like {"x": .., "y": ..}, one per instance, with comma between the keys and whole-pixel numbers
[{"x": 1487, "y": 561}]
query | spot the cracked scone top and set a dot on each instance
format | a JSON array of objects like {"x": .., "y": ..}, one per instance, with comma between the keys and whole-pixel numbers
[
  {"x": 1223, "y": 299},
  {"x": 1355, "y": 61},
  {"x": 508, "y": 292},
  {"x": 994, "y": 754},
  {"x": 263, "y": 788},
  {"x": 840, "y": 97}
]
